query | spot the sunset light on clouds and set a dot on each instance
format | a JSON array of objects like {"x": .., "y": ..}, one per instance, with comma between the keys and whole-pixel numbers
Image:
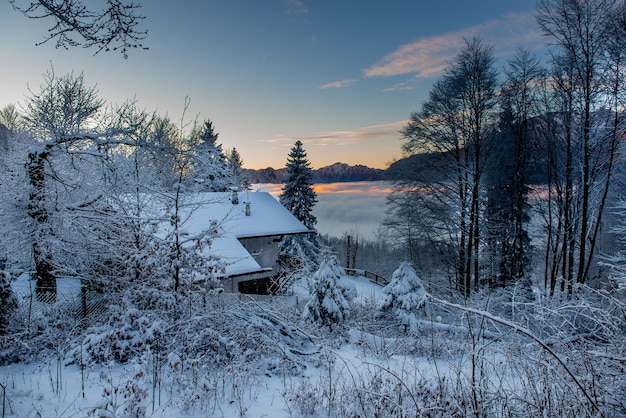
[
  {"x": 428, "y": 57},
  {"x": 343, "y": 77}
]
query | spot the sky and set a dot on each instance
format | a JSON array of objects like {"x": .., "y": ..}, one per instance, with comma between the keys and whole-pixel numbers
[{"x": 342, "y": 76}]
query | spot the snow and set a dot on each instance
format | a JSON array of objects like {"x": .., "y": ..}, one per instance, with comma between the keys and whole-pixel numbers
[
  {"x": 267, "y": 217},
  {"x": 53, "y": 389},
  {"x": 237, "y": 259},
  {"x": 66, "y": 286},
  {"x": 367, "y": 368}
]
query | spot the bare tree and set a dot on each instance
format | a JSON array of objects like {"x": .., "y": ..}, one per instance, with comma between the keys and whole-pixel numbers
[
  {"x": 587, "y": 78},
  {"x": 115, "y": 27},
  {"x": 456, "y": 122},
  {"x": 59, "y": 117}
]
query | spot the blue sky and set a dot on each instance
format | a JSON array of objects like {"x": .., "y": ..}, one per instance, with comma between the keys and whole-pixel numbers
[{"x": 340, "y": 75}]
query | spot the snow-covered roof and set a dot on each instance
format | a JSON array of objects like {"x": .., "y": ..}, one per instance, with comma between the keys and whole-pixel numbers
[{"x": 267, "y": 217}]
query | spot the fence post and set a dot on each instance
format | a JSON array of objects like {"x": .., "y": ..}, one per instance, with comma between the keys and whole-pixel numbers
[{"x": 4, "y": 397}]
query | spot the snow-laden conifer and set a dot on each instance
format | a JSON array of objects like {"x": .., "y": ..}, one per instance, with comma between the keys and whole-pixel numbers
[
  {"x": 327, "y": 304},
  {"x": 297, "y": 194},
  {"x": 211, "y": 172},
  {"x": 404, "y": 296},
  {"x": 235, "y": 170},
  {"x": 299, "y": 198}
]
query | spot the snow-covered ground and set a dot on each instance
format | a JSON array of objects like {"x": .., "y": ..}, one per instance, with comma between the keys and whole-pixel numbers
[
  {"x": 284, "y": 367},
  {"x": 53, "y": 389}
]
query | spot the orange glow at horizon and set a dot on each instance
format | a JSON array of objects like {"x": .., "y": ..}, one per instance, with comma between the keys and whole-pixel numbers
[
  {"x": 352, "y": 188},
  {"x": 357, "y": 187}
]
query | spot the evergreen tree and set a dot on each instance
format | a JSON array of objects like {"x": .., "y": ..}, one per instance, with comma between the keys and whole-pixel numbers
[
  {"x": 297, "y": 195},
  {"x": 211, "y": 167},
  {"x": 299, "y": 198},
  {"x": 235, "y": 170},
  {"x": 327, "y": 304},
  {"x": 509, "y": 171},
  {"x": 404, "y": 296}
]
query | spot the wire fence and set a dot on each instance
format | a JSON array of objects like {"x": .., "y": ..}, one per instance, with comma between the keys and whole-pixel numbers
[{"x": 69, "y": 304}]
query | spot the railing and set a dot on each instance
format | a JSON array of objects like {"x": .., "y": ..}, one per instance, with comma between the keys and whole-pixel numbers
[{"x": 374, "y": 278}]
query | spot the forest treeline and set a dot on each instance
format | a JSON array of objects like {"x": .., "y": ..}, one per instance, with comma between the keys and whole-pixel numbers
[{"x": 516, "y": 173}]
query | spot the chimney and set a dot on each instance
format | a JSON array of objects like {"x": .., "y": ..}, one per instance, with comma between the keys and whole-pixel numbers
[
  {"x": 234, "y": 196},
  {"x": 247, "y": 210}
]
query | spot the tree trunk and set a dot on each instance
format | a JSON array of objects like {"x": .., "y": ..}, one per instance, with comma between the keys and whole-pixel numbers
[{"x": 46, "y": 284}]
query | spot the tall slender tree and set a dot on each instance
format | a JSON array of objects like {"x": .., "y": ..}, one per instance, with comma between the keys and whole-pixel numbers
[
  {"x": 457, "y": 123},
  {"x": 60, "y": 118},
  {"x": 210, "y": 165},
  {"x": 588, "y": 68},
  {"x": 299, "y": 198},
  {"x": 235, "y": 170},
  {"x": 509, "y": 171}
]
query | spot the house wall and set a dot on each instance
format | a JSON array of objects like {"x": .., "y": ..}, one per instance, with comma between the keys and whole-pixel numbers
[{"x": 264, "y": 250}]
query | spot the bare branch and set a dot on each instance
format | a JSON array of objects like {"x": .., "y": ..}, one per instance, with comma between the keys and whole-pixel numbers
[{"x": 113, "y": 28}]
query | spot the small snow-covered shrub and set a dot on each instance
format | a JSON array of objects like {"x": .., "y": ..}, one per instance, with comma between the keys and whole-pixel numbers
[
  {"x": 347, "y": 287},
  {"x": 327, "y": 304},
  {"x": 201, "y": 337},
  {"x": 126, "y": 398},
  {"x": 404, "y": 296},
  {"x": 128, "y": 335},
  {"x": 304, "y": 399}
]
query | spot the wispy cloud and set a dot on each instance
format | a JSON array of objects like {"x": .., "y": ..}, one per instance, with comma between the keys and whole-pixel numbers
[
  {"x": 348, "y": 137},
  {"x": 338, "y": 84},
  {"x": 403, "y": 86},
  {"x": 429, "y": 56},
  {"x": 296, "y": 7}
]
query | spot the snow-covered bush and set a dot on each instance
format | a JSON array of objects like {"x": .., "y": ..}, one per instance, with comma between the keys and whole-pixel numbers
[
  {"x": 8, "y": 301},
  {"x": 347, "y": 286},
  {"x": 129, "y": 333},
  {"x": 327, "y": 303},
  {"x": 127, "y": 397},
  {"x": 404, "y": 296}
]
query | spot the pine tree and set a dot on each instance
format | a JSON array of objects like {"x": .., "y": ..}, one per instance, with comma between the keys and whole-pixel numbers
[
  {"x": 299, "y": 198},
  {"x": 211, "y": 167},
  {"x": 327, "y": 304},
  {"x": 404, "y": 296},
  {"x": 235, "y": 170},
  {"x": 297, "y": 195}
]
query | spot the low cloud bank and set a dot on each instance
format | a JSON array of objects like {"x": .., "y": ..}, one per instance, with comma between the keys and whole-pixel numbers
[{"x": 357, "y": 208}]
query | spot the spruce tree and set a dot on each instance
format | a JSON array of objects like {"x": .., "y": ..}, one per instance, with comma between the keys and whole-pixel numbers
[
  {"x": 327, "y": 304},
  {"x": 235, "y": 170},
  {"x": 404, "y": 296},
  {"x": 299, "y": 198},
  {"x": 211, "y": 167}
]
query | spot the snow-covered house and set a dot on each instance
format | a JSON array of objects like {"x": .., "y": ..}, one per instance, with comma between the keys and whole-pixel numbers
[{"x": 251, "y": 226}]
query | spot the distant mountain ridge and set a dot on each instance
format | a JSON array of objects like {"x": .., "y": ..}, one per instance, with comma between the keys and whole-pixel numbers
[{"x": 334, "y": 173}]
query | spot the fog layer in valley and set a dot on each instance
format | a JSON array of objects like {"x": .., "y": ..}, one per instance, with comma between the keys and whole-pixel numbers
[{"x": 354, "y": 207}]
